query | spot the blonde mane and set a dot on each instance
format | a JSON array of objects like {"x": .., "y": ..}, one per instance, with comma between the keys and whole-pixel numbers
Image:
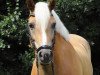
[{"x": 60, "y": 28}]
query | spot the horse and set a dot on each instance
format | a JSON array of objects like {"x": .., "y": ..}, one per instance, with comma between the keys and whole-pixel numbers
[{"x": 57, "y": 52}]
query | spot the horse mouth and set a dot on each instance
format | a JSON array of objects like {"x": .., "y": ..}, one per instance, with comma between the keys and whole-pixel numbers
[{"x": 45, "y": 63}]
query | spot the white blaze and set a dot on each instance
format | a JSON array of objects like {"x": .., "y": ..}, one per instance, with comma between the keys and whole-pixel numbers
[
  {"x": 42, "y": 15},
  {"x": 44, "y": 37}
]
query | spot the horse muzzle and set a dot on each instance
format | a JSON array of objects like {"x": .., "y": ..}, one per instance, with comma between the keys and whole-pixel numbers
[{"x": 45, "y": 54}]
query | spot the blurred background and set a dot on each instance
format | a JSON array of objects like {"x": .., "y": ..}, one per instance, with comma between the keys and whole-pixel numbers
[{"x": 81, "y": 17}]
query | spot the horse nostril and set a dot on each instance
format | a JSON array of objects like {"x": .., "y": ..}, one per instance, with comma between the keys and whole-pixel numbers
[
  {"x": 40, "y": 54},
  {"x": 51, "y": 54},
  {"x": 46, "y": 57}
]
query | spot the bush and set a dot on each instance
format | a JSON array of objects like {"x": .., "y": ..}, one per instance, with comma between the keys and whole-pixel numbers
[{"x": 14, "y": 51}]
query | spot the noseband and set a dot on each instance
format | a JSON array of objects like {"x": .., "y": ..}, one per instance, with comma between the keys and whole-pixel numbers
[{"x": 44, "y": 47}]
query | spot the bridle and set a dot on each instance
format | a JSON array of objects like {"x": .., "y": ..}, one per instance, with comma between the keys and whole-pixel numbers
[
  {"x": 46, "y": 47},
  {"x": 42, "y": 47}
]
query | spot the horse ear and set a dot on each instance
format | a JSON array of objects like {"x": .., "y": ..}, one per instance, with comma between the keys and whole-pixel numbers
[
  {"x": 51, "y": 4},
  {"x": 30, "y": 5}
]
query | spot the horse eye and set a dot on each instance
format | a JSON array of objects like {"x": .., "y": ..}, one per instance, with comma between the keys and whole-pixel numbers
[
  {"x": 53, "y": 25},
  {"x": 31, "y": 26}
]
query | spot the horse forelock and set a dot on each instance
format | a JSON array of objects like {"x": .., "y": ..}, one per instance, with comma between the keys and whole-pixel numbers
[{"x": 42, "y": 14}]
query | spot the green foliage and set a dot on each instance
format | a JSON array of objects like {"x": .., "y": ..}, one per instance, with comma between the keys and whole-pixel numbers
[
  {"x": 2, "y": 45},
  {"x": 13, "y": 33},
  {"x": 4, "y": 73},
  {"x": 12, "y": 26},
  {"x": 27, "y": 59}
]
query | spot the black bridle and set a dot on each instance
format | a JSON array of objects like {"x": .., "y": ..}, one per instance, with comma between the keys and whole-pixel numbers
[{"x": 42, "y": 47}]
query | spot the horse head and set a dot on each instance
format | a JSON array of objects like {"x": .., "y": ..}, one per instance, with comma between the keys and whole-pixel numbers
[{"x": 41, "y": 25}]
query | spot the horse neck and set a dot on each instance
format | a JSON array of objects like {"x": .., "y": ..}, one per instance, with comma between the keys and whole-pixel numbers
[
  {"x": 61, "y": 47},
  {"x": 63, "y": 56},
  {"x": 45, "y": 69}
]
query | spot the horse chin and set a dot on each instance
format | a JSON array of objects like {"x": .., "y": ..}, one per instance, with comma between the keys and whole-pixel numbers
[{"x": 46, "y": 63}]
